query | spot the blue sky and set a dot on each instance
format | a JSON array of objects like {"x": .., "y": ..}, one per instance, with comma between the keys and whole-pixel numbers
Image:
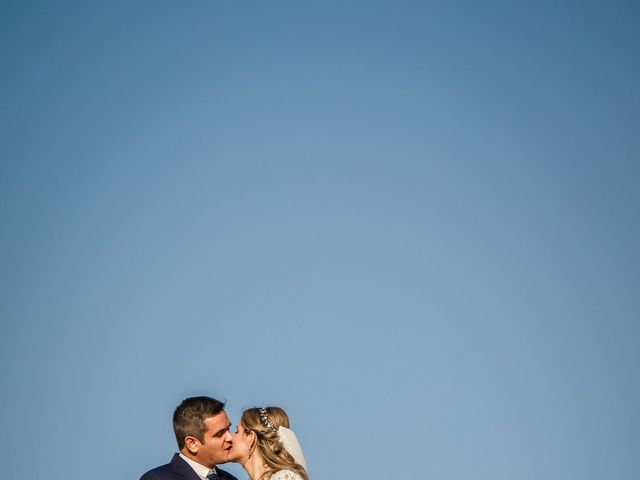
[{"x": 413, "y": 225}]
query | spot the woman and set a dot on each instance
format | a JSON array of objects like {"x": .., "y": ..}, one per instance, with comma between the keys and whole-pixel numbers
[{"x": 265, "y": 446}]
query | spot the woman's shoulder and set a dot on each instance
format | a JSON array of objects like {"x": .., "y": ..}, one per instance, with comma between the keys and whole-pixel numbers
[{"x": 285, "y": 475}]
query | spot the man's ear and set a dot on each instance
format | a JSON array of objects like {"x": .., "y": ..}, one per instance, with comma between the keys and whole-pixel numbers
[{"x": 191, "y": 444}]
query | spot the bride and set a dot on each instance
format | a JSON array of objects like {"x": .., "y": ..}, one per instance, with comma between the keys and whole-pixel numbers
[{"x": 265, "y": 446}]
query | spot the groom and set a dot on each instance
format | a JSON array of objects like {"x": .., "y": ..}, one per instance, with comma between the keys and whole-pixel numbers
[{"x": 202, "y": 430}]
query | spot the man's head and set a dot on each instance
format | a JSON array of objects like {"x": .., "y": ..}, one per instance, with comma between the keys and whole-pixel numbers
[{"x": 202, "y": 430}]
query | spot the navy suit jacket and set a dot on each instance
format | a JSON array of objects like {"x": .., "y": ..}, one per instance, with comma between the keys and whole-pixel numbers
[{"x": 178, "y": 469}]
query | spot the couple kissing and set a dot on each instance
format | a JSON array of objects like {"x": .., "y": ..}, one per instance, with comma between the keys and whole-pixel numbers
[{"x": 263, "y": 444}]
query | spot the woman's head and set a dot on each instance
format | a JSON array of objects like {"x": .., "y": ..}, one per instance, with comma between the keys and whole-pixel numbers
[{"x": 258, "y": 433}]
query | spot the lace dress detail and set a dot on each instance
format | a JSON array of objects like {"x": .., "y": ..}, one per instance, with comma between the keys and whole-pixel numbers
[{"x": 285, "y": 475}]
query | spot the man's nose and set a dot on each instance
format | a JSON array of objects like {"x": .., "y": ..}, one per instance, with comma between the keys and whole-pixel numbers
[{"x": 228, "y": 437}]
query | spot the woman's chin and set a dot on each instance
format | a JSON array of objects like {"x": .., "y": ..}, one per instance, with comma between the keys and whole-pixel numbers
[{"x": 232, "y": 456}]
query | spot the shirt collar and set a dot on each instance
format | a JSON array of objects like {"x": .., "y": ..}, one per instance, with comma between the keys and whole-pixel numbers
[{"x": 201, "y": 470}]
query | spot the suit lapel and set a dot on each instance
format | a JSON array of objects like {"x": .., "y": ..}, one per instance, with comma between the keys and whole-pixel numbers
[{"x": 182, "y": 468}]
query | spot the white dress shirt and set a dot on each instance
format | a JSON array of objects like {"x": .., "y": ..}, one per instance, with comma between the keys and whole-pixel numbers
[{"x": 200, "y": 470}]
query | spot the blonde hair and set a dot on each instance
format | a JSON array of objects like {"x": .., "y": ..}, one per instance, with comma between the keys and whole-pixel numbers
[{"x": 268, "y": 442}]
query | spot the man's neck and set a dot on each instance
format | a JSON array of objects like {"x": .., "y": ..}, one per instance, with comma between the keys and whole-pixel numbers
[{"x": 200, "y": 469}]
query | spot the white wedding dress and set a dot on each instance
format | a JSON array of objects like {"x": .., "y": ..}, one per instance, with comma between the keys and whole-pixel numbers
[{"x": 285, "y": 475}]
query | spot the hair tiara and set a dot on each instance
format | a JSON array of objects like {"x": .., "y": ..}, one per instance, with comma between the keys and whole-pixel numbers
[{"x": 265, "y": 419}]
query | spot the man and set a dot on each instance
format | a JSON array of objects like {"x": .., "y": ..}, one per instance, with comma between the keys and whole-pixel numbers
[{"x": 202, "y": 431}]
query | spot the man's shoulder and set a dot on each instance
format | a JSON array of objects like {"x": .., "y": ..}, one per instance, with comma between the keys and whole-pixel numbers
[
  {"x": 163, "y": 471},
  {"x": 168, "y": 471},
  {"x": 224, "y": 475}
]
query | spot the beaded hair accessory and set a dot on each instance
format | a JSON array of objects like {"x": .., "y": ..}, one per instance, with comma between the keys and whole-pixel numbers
[{"x": 265, "y": 419}]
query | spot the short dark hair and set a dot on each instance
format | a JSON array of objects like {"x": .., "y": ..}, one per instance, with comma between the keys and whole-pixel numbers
[{"x": 189, "y": 417}]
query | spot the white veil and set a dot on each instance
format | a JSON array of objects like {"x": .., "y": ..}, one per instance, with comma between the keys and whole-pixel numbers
[{"x": 291, "y": 445}]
